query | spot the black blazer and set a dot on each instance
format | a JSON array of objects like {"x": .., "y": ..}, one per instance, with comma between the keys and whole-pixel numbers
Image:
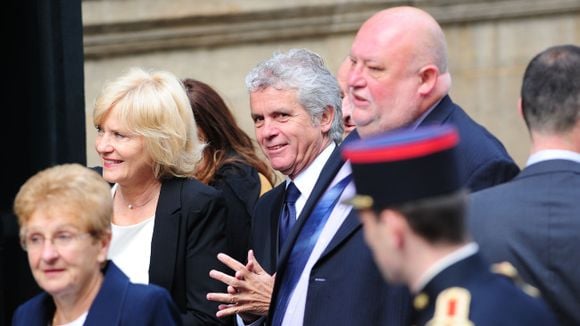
[
  {"x": 189, "y": 232},
  {"x": 240, "y": 185},
  {"x": 346, "y": 287}
]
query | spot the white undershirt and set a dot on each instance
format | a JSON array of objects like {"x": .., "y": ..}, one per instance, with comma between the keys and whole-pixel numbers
[
  {"x": 131, "y": 248},
  {"x": 77, "y": 322}
]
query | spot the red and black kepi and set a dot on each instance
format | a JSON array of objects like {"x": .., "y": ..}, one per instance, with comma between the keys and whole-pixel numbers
[{"x": 403, "y": 166}]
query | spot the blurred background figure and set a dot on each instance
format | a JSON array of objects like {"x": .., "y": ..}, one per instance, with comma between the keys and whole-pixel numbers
[
  {"x": 342, "y": 77},
  {"x": 64, "y": 214},
  {"x": 167, "y": 226},
  {"x": 229, "y": 163},
  {"x": 533, "y": 220}
]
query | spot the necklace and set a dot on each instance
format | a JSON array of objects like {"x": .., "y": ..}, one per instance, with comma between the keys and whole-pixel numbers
[{"x": 133, "y": 206}]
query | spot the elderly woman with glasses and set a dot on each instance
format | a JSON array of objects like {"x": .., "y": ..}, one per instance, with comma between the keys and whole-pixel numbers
[{"x": 65, "y": 214}]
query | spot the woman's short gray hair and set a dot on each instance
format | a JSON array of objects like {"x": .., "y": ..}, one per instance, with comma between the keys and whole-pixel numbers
[{"x": 304, "y": 71}]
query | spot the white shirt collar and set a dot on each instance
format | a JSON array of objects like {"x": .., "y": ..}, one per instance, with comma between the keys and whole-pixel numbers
[
  {"x": 455, "y": 256},
  {"x": 306, "y": 179},
  {"x": 417, "y": 122},
  {"x": 553, "y": 154}
]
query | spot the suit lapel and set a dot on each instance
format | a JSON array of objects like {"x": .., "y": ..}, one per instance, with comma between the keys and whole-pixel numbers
[
  {"x": 109, "y": 302},
  {"x": 167, "y": 220},
  {"x": 272, "y": 237},
  {"x": 328, "y": 173},
  {"x": 349, "y": 226},
  {"x": 352, "y": 222}
]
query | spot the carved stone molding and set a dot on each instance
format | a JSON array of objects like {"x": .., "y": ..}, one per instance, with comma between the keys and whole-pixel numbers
[{"x": 224, "y": 28}]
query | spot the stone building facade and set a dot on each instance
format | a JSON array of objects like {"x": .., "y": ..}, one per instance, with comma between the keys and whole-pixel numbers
[{"x": 219, "y": 41}]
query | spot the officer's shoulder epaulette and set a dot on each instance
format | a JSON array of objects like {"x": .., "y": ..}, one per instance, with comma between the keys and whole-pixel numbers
[
  {"x": 508, "y": 270},
  {"x": 452, "y": 308}
]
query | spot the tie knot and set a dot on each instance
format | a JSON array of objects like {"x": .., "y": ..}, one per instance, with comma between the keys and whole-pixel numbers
[{"x": 292, "y": 193}]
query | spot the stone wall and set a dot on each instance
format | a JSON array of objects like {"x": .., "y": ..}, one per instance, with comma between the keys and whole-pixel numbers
[{"x": 219, "y": 41}]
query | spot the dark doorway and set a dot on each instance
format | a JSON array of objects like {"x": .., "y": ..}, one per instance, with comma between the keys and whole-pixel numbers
[{"x": 43, "y": 120}]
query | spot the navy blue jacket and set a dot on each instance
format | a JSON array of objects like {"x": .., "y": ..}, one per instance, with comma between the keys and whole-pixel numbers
[
  {"x": 484, "y": 160},
  {"x": 118, "y": 302},
  {"x": 533, "y": 222},
  {"x": 346, "y": 287},
  {"x": 494, "y": 299}
]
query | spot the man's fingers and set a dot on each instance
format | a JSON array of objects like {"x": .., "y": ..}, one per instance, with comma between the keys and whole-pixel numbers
[
  {"x": 232, "y": 290},
  {"x": 230, "y": 262},
  {"x": 226, "y": 310},
  {"x": 219, "y": 297},
  {"x": 223, "y": 277}
]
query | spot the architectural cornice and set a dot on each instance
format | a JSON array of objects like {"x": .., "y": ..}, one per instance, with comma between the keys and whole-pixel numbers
[{"x": 224, "y": 28}]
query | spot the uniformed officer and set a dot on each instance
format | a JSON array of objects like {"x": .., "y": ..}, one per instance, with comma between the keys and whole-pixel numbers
[{"x": 412, "y": 206}]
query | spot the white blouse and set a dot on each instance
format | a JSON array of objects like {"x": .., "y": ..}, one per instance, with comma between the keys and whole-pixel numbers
[{"x": 131, "y": 248}]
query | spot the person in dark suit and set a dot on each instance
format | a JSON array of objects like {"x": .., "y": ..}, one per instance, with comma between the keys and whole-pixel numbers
[
  {"x": 319, "y": 296},
  {"x": 417, "y": 232},
  {"x": 399, "y": 78},
  {"x": 229, "y": 164},
  {"x": 64, "y": 213},
  {"x": 532, "y": 221},
  {"x": 167, "y": 227}
]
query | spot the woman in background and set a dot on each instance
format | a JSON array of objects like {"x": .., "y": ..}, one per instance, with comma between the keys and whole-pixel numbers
[
  {"x": 229, "y": 163},
  {"x": 64, "y": 213},
  {"x": 167, "y": 227}
]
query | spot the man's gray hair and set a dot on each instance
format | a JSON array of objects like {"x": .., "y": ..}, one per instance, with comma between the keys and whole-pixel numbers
[{"x": 305, "y": 72}]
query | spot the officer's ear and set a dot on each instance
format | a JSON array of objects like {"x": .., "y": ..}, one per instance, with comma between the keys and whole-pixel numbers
[{"x": 396, "y": 226}]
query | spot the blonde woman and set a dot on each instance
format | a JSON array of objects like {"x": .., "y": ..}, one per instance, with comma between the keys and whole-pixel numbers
[{"x": 167, "y": 227}]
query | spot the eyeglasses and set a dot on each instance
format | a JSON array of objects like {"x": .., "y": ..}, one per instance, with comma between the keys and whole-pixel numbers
[{"x": 60, "y": 240}]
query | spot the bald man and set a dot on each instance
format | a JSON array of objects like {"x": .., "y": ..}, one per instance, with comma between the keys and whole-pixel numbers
[{"x": 399, "y": 78}]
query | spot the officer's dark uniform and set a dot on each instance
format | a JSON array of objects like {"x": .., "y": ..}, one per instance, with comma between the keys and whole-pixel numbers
[
  {"x": 468, "y": 293},
  {"x": 411, "y": 165}
]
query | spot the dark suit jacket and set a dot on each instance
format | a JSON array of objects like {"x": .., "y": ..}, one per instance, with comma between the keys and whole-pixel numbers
[
  {"x": 118, "y": 302},
  {"x": 346, "y": 269},
  {"x": 189, "y": 232},
  {"x": 344, "y": 280},
  {"x": 265, "y": 221},
  {"x": 484, "y": 160},
  {"x": 240, "y": 185},
  {"x": 533, "y": 222},
  {"x": 495, "y": 300}
]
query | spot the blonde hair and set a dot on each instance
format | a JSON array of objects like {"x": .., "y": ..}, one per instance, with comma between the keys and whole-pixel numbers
[
  {"x": 155, "y": 106},
  {"x": 69, "y": 188}
]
